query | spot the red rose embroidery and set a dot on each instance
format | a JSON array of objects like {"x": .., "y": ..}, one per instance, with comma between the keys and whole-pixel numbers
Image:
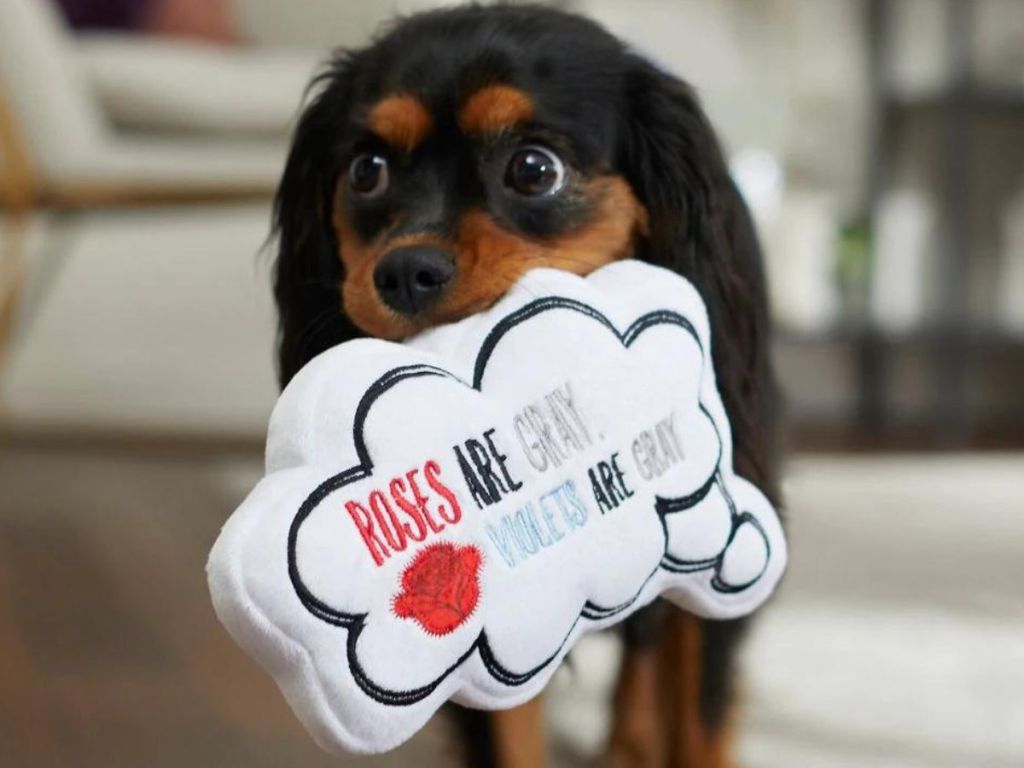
[{"x": 440, "y": 587}]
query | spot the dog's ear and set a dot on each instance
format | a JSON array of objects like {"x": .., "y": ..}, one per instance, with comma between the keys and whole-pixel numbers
[
  {"x": 308, "y": 272},
  {"x": 700, "y": 227}
]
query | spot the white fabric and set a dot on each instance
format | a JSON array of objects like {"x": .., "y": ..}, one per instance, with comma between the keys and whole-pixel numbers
[
  {"x": 443, "y": 519},
  {"x": 179, "y": 86},
  {"x": 48, "y": 92}
]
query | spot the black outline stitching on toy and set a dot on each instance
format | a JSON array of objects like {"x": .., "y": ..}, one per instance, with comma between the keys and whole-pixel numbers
[{"x": 355, "y": 623}]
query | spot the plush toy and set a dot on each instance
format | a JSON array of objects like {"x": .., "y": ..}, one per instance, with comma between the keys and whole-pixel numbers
[{"x": 442, "y": 519}]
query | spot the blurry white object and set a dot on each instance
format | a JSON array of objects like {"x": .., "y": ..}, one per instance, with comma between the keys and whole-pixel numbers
[
  {"x": 798, "y": 231},
  {"x": 918, "y": 62},
  {"x": 759, "y": 175},
  {"x": 1010, "y": 285},
  {"x": 800, "y": 256},
  {"x": 153, "y": 83},
  {"x": 904, "y": 244}
]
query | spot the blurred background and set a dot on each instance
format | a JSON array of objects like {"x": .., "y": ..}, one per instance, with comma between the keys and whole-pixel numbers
[{"x": 881, "y": 146}]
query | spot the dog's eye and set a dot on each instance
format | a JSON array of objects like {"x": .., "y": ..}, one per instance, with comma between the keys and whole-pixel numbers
[
  {"x": 534, "y": 170},
  {"x": 368, "y": 175}
]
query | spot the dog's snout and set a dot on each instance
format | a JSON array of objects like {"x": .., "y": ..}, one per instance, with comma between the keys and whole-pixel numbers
[{"x": 410, "y": 279}]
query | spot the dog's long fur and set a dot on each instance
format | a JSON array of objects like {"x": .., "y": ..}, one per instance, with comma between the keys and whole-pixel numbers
[{"x": 644, "y": 126}]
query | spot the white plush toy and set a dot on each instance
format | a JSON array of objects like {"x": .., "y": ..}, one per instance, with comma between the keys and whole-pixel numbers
[{"x": 442, "y": 519}]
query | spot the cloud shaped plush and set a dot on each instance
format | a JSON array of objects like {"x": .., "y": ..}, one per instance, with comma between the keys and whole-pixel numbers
[{"x": 442, "y": 519}]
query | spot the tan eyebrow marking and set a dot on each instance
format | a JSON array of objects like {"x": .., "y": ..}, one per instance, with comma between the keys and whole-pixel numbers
[
  {"x": 495, "y": 108},
  {"x": 401, "y": 120}
]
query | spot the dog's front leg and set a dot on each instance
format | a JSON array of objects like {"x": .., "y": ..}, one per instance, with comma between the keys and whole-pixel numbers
[
  {"x": 519, "y": 735},
  {"x": 660, "y": 717},
  {"x": 694, "y": 736},
  {"x": 636, "y": 739}
]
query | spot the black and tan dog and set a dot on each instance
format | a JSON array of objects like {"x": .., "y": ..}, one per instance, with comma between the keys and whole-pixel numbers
[{"x": 469, "y": 145}]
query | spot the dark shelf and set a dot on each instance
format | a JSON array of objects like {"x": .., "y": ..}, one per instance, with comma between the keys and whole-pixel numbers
[
  {"x": 824, "y": 337},
  {"x": 973, "y": 99},
  {"x": 972, "y": 337},
  {"x": 954, "y": 344},
  {"x": 823, "y": 436}
]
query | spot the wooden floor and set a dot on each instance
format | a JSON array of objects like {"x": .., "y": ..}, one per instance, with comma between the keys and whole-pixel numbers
[
  {"x": 110, "y": 654},
  {"x": 895, "y": 638}
]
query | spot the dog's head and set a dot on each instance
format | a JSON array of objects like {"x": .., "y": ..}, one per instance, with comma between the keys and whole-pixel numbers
[{"x": 468, "y": 145}]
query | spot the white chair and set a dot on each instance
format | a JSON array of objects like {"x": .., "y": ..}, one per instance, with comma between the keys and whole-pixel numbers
[
  {"x": 61, "y": 89},
  {"x": 100, "y": 121},
  {"x": 157, "y": 321}
]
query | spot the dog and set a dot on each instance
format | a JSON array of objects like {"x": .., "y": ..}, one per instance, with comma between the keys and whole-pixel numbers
[{"x": 467, "y": 145}]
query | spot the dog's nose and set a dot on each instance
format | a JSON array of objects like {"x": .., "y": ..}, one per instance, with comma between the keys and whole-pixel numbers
[{"x": 410, "y": 279}]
